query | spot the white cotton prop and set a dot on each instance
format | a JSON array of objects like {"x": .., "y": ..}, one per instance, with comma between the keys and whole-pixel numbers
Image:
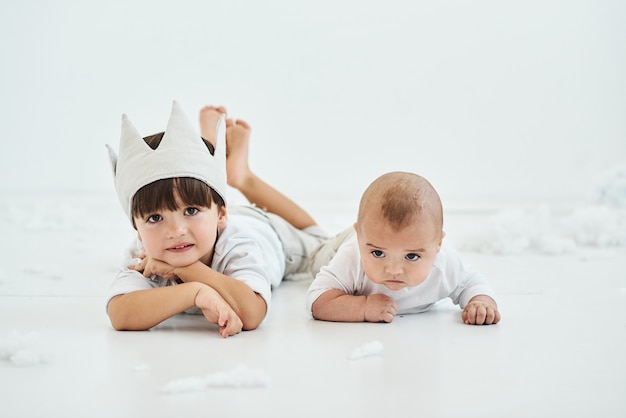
[
  {"x": 26, "y": 357},
  {"x": 596, "y": 226},
  {"x": 22, "y": 349},
  {"x": 552, "y": 244},
  {"x": 506, "y": 232},
  {"x": 611, "y": 189},
  {"x": 188, "y": 384},
  {"x": 143, "y": 367},
  {"x": 372, "y": 348},
  {"x": 240, "y": 377},
  {"x": 549, "y": 232}
]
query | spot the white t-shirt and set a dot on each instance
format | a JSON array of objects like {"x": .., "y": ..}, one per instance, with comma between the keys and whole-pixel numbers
[
  {"x": 449, "y": 278},
  {"x": 247, "y": 249}
]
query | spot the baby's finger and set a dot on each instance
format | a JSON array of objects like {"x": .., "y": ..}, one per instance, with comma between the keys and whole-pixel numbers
[
  {"x": 481, "y": 315},
  {"x": 394, "y": 309},
  {"x": 493, "y": 316},
  {"x": 490, "y": 316},
  {"x": 388, "y": 317},
  {"x": 469, "y": 314}
]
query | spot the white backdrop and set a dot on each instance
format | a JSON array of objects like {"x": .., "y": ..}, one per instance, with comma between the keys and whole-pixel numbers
[{"x": 488, "y": 99}]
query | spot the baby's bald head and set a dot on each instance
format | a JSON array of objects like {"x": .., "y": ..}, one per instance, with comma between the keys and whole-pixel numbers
[{"x": 401, "y": 199}]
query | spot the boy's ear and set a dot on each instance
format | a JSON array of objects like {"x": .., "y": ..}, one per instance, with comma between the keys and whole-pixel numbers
[
  {"x": 139, "y": 236},
  {"x": 222, "y": 217}
]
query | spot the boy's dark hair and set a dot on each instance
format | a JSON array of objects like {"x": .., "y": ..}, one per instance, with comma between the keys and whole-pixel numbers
[{"x": 159, "y": 195}]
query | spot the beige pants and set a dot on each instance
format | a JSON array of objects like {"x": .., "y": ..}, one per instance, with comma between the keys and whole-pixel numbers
[
  {"x": 322, "y": 255},
  {"x": 298, "y": 244}
]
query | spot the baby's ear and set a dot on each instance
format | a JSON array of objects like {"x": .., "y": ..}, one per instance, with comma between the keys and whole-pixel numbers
[{"x": 443, "y": 235}]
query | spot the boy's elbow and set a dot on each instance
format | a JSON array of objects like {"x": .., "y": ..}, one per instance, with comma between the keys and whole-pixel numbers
[
  {"x": 116, "y": 320},
  {"x": 252, "y": 317},
  {"x": 121, "y": 321},
  {"x": 252, "y": 321},
  {"x": 118, "y": 326},
  {"x": 117, "y": 323},
  {"x": 121, "y": 324},
  {"x": 251, "y": 325}
]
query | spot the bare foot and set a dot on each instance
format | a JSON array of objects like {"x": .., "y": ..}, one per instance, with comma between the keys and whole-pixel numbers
[
  {"x": 209, "y": 116},
  {"x": 237, "y": 145}
]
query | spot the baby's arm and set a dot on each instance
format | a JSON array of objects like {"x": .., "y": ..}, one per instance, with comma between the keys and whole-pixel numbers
[
  {"x": 336, "y": 305},
  {"x": 481, "y": 310},
  {"x": 144, "y": 309}
]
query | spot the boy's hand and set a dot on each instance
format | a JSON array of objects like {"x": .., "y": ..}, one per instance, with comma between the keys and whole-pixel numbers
[
  {"x": 150, "y": 266},
  {"x": 217, "y": 311},
  {"x": 380, "y": 308},
  {"x": 481, "y": 310}
]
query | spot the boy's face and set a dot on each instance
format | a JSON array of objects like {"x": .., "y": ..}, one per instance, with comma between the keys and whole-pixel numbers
[
  {"x": 397, "y": 259},
  {"x": 183, "y": 236}
]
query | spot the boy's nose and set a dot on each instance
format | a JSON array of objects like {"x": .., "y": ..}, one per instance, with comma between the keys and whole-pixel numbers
[{"x": 176, "y": 229}]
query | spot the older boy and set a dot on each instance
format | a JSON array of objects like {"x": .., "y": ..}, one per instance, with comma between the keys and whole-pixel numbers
[{"x": 193, "y": 252}]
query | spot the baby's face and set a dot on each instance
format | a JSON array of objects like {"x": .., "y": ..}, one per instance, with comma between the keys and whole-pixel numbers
[{"x": 397, "y": 259}]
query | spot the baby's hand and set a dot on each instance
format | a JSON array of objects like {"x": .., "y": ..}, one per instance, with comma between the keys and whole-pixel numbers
[
  {"x": 217, "y": 311},
  {"x": 481, "y": 310},
  {"x": 380, "y": 308}
]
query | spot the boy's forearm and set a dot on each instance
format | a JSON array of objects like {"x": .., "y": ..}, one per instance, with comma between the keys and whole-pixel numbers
[
  {"x": 143, "y": 309},
  {"x": 247, "y": 304},
  {"x": 335, "y": 305}
]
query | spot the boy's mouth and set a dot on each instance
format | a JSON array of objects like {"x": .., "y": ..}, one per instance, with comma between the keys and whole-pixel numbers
[{"x": 181, "y": 247}]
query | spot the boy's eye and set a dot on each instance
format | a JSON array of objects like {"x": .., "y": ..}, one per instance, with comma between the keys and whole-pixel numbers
[
  {"x": 378, "y": 253},
  {"x": 191, "y": 211},
  {"x": 412, "y": 257},
  {"x": 154, "y": 218}
]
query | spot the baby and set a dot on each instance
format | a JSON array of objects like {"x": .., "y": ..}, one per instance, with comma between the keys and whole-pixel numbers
[{"x": 395, "y": 261}]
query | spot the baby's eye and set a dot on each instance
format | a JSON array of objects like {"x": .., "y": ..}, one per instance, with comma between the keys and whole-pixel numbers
[
  {"x": 154, "y": 218},
  {"x": 378, "y": 253},
  {"x": 191, "y": 211},
  {"x": 412, "y": 257}
]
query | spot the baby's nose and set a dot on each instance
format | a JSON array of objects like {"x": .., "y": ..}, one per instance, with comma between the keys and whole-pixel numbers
[{"x": 393, "y": 267}]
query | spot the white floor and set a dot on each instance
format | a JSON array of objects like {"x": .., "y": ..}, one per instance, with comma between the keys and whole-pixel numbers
[{"x": 560, "y": 350}]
